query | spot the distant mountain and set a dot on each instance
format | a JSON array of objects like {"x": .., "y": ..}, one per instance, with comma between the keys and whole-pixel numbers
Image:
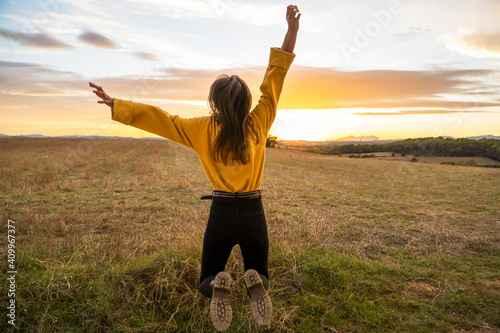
[
  {"x": 27, "y": 136},
  {"x": 91, "y": 137},
  {"x": 358, "y": 138},
  {"x": 24, "y": 136}
]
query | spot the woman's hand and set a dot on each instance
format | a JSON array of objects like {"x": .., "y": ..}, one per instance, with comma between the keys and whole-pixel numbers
[
  {"x": 292, "y": 17},
  {"x": 101, "y": 94}
]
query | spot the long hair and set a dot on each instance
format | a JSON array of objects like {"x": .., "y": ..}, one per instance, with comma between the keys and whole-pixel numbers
[{"x": 230, "y": 101}]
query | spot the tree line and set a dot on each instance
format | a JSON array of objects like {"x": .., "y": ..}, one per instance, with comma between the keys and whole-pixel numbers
[{"x": 438, "y": 146}]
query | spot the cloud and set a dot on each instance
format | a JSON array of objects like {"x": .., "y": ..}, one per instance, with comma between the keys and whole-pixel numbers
[
  {"x": 410, "y": 34},
  {"x": 15, "y": 106},
  {"x": 477, "y": 45},
  {"x": 50, "y": 24},
  {"x": 233, "y": 10},
  {"x": 95, "y": 39},
  {"x": 23, "y": 80},
  {"x": 145, "y": 56},
  {"x": 429, "y": 103},
  {"x": 415, "y": 112},
  {"x": 305, "y": 88},
  {"x": 485, "y": 42},
  {"x": 325, "y": 88},
  {"x": 404, "y": 36},
  {"x": 6, "y": 64},
  {"x": 39, "y": 40},
  {"x": 249, "y": 12}
]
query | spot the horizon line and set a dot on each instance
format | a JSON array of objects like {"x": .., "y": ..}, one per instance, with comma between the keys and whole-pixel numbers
[{"x": 343, "y": 139}]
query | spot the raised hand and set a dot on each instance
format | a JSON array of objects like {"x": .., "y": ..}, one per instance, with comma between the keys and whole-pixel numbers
[
  {"x": 292, "y": 17},
  {"x": 101, "y": 94}
]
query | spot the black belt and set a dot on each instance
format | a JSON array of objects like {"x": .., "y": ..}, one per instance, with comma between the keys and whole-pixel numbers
[{"x": 221, "y": 194}]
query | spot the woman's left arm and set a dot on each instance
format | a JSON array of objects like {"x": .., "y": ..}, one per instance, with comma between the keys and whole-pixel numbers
[{"x": 151, "y": 119}]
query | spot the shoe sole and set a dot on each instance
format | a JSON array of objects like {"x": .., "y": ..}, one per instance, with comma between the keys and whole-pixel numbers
[
  {"x": 260, "y": 302},
  {"x": 221, "y": 312}
]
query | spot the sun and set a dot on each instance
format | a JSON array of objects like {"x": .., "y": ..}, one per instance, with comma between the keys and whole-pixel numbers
[{"x": 312, "y": 125}]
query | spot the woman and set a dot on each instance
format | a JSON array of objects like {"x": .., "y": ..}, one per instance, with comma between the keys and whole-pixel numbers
[{"x": 230, "y": 144}]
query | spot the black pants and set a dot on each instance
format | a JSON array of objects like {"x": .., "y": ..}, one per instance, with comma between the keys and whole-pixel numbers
[{"x": 234, "y": 221}]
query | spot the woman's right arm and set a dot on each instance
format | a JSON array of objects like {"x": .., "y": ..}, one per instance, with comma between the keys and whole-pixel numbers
[
  {"x": 279, "y": 63},
  {"x": 292, "y": 17}
]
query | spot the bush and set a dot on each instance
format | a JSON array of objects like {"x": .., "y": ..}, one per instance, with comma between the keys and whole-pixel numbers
[
  {"x": 271, "y": 141},
  {"x": 448, "y": 163},
  {"x": 414, "y": 160},
  {"x": 426, "y": 147}
]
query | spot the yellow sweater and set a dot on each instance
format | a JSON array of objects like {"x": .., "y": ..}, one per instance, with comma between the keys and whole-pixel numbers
[{"x": 197, "y": 133}]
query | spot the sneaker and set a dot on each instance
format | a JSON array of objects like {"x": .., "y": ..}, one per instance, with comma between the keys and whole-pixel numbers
[
  {"x": 221, "y": 312},
  {"x": 260, "y": 302}
]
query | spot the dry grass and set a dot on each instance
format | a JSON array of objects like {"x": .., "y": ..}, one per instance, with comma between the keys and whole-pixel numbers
[{"x": 110, "y": 232}]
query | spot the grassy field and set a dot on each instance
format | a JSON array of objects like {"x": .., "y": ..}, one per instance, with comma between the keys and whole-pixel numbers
[{"x": 109, "y": 234}]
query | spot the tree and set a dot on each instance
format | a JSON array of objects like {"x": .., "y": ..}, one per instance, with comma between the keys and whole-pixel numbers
[
  {"x": 271, "y": 141},
  {"x": 427, "y": 147}
]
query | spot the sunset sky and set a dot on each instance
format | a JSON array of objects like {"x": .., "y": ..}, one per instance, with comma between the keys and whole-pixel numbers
[{"x": 393, "y": 69}]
